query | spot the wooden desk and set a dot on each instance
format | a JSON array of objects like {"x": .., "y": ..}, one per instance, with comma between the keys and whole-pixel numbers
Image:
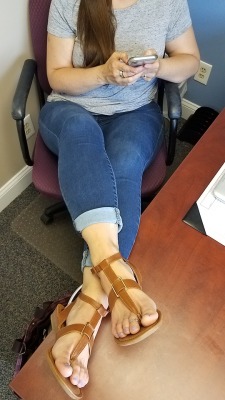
[{"x": 184, "y": 272}]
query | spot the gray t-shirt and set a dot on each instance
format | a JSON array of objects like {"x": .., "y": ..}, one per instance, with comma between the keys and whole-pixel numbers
[{"x": 143, "y": 25}]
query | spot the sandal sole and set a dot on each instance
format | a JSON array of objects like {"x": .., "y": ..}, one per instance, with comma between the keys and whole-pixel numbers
[
  {"x": 71, "y": 390},
  {"x": 144, "y": 333}
]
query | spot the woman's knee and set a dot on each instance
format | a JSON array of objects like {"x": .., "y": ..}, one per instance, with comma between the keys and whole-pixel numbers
[{"x": 67, "y": 121}]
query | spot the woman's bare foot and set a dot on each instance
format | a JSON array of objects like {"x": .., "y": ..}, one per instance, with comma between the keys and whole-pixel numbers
[
  {"x": 82, "y": 312},
  {"x": 124, "y": 322}
]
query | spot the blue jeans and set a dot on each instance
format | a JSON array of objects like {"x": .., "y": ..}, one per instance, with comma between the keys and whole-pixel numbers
[{"x": 101, "y": 160}]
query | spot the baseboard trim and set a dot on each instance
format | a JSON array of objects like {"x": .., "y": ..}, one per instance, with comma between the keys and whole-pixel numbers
[
  {"x": 188, "y": 108},
  {"x": 15, "y": 186}
]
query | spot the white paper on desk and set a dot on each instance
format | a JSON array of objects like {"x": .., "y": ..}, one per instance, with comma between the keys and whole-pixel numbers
[{"x": 212, "y": 210}]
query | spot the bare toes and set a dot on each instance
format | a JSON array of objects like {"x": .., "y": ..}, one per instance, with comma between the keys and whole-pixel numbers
[
  {"x": 149, "y": 319},
  {"x": 64, "y": 367},
  {"x": 119, "y": 330},
  {"x": 126, "y": 326},
  {"x": 134, "y": 325},
  {"x": 79, "y": 376},
  {"x": 75, "y": 377},
  {"x": 83, "y": 378}
]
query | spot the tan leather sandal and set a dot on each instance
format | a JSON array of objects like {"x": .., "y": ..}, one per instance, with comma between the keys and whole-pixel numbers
[
  {"x": 119, "y": 291},
  {"x": 58, "y": 320}
]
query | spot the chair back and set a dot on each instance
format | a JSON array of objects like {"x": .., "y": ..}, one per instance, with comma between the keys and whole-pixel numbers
[
  {"x": 38, "y": 18},
  {"x": 44, "y": 173}
]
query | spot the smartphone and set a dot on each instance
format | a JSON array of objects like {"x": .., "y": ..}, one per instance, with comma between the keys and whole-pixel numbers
[
  {"x": 141, "y": 60},
  {"x": 219, "y": 190}
]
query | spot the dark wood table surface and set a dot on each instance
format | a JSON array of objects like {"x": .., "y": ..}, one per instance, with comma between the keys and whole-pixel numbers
[{"x": 184, "y": 272}]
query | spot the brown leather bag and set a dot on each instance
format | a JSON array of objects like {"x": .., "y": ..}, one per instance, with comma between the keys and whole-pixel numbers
[{"x": 36, "y": 331}]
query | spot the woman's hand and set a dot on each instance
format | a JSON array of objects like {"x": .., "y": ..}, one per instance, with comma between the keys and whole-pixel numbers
[
  {"x": 116, "y": 71},
  {"x": 150, "y": 70}
]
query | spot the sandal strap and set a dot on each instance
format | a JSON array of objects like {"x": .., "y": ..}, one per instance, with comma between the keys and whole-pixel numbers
[
  {"x": 86, "y": 330},
  {"x": 119, "y": 285},
  {"x": 106, "y": 263},
  {"x": 119, "y": 291},
  {"x": 105, "y": 266},
  {"x": 99, "y": 307}
]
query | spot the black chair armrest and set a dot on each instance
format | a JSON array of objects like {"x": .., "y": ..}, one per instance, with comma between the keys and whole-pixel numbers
[
  {"x": 19, "y": 105},
  {"x": 174, "y": 107},
  {"x": 23, "y": 89},
  {"x": 172, "y": 93}
]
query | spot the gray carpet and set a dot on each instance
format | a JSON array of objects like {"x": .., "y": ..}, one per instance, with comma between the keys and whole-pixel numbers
[
  {"x": 57, "y": 241},
  {"x": 37, "y": 264},
  {"x": 27, "y": 280}
]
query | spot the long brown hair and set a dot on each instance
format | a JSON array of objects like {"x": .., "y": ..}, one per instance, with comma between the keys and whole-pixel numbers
[{"x": 96, "y": 31}]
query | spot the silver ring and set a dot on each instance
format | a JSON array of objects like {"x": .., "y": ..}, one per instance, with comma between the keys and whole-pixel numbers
[
  {"x": 121, "y": 74},
  {"x": 133, "y": 319},
  {"x": 147, "y": 78}
]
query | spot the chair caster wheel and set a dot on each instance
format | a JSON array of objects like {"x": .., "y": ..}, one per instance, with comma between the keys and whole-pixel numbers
[{"x": 46, "y": 219}]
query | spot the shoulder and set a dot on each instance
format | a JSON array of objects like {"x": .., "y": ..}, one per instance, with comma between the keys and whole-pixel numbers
[
  {"x": 62, "y": 17},
  {"x": 64, "y": 6},
  {"x": 180, "y": 19}
]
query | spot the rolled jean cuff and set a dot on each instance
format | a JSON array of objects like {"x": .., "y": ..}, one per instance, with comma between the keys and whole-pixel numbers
[{"x": 98, "y": 215}]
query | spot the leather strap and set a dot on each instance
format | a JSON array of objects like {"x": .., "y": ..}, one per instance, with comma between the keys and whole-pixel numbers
[
  {"x": 86, "y": 330},
  {"x": 119, "y": 285},
  {"x": 107, "y": 261}
]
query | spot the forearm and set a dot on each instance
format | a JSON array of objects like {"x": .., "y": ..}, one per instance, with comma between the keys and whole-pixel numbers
[
  {"x": 178, "y": 67},
  {"x": 75, "y": 81}
]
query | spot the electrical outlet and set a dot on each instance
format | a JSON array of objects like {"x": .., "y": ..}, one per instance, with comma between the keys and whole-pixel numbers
[
  {"x": 28, "y": 126},
  {"x": 202, "y": 75}
]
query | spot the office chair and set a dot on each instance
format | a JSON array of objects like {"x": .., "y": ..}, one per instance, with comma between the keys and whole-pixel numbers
[{"x": 44, "y": 171}]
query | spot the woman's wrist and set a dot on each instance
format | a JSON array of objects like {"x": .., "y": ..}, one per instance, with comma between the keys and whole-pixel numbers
[{"x": 101, "y": 77}]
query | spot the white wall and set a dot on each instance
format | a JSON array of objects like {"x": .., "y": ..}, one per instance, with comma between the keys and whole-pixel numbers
[
  {"x": 14, "y": 49},
  {"x": 208, "y": 18}
]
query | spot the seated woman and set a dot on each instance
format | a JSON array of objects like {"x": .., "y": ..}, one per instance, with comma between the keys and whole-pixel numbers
[{"x": 103, "y": 124}]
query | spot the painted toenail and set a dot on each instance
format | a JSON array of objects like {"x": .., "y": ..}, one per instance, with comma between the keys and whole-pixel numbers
[
  {"x": 67, "y": 364},
  {"x": 133, "y": 328}
]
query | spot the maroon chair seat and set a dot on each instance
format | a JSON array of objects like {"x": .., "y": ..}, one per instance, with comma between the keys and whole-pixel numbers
[{"x": 45, "y": 170}]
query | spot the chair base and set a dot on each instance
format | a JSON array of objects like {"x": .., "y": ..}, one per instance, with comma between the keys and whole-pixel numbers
[{"x": 48, "y": 215}]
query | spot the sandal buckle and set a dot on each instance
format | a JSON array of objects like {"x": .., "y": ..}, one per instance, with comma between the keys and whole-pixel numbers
[
  {"x": 121, "y": 288},
  {"x": 84, "y": 331}
]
